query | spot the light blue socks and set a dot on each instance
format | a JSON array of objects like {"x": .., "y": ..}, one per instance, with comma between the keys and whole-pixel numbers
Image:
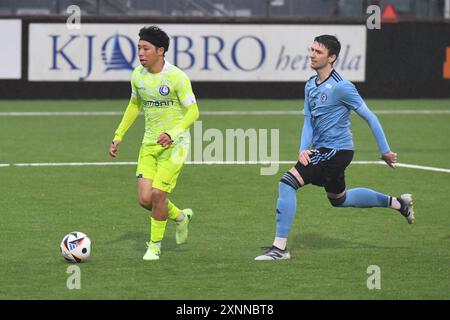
[
  {"x": 286, "y": 207},
  {"x": 365, "y": 198}
]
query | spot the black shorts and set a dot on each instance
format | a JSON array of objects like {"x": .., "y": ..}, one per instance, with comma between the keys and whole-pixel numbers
[{"x": 326, "y": 169}]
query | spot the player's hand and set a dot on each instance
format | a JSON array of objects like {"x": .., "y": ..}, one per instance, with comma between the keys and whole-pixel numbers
[
  {"x": 114, "y": 148},
  {"x": 390, "y": 158},
  {"x": 165, "y": 140},
  {"x": 303, "y": 157}
]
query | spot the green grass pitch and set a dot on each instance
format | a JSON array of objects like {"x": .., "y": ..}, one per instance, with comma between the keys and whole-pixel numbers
[{"x": 234, "y": 205}]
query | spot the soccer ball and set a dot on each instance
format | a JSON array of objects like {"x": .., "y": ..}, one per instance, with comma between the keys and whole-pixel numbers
[{"x": 75, "y": 247}]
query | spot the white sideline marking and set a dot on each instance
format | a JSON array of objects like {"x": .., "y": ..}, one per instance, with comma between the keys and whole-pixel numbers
[
  {"x": 68, "y": 113},
  {"x": 420, "y": 111},
  {"x": 212, "y": 113},
  {"x": 65, "y": 164},
  {"x": 405, "y": 165}
]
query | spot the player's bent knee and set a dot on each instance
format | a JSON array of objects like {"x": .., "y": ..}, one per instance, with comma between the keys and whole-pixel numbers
[
  {"x": 145, "y": 202},
  {"x": 289, "y": 179},
  {"x": 337, "y": 202},
  {"x": 158, "y": 196}
]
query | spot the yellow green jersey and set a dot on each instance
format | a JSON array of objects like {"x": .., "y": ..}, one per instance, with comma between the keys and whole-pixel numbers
[{"x": 163, "y": 97}]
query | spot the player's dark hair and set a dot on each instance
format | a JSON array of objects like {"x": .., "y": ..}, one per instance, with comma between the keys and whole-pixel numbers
[
  {"x": 155, "y": 36},
  {"x": 331, "y": 43}
]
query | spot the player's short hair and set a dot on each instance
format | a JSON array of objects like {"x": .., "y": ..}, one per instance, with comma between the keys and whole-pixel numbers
[
  {"x": 331, "y": 43},
  {"x": 155, "y": 36}
]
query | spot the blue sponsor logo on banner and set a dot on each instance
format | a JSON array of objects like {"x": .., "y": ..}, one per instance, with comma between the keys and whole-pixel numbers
[{"x": 114, "y": 53}]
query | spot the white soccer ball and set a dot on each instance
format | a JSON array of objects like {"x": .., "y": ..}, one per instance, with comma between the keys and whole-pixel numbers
[{"x": 76, "y": 247}]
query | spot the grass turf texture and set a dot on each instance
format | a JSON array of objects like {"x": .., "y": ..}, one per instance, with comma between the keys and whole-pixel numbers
[{"x": 234, "y": 205}]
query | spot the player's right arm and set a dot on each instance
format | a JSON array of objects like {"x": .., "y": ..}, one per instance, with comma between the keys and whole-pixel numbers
[
  {"x": 306, "y": 138},
  {"x": 130, "y": 115}
]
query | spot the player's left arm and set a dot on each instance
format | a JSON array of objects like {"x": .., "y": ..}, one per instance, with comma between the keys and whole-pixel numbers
[
  {"x": 351, "y": 98},
  {"x": 187, "y": 100},
  {"x": 386, "y": 154},
  {"x": 189, "y": 118}
]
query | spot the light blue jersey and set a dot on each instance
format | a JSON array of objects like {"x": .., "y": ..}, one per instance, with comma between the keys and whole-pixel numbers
[{"x": 327, "y": 115}]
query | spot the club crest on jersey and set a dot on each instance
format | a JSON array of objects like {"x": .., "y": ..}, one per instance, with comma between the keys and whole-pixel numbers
[
  {"x": 164, "y": 90},
  {"x": 323, "y": 97}
]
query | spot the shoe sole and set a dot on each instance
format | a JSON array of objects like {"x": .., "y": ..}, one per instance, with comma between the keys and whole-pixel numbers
[
  {"x": 268, "y": 258},
  {"x": 150, "y": 259}
]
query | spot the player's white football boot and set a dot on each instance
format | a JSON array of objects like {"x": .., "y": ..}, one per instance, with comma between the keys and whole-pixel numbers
[
  {"x": 274, "y": 253},
  {"x": 153, "y": 252},
  {"x": 181, "y": 230},
  {"x": 407, "y": 209}
]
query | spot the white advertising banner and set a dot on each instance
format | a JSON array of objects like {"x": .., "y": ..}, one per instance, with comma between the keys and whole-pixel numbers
[
  {"x": 11, "y": 49},
  {"x": 206, "y": 52}
]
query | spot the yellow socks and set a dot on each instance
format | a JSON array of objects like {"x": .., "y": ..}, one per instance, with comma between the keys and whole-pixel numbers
[
  {"x": 172, "y": 211},
  {"x": 157, "y": 229}
]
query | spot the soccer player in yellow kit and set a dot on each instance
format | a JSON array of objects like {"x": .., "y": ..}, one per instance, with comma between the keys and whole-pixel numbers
[{"x": 165, "y": 94}]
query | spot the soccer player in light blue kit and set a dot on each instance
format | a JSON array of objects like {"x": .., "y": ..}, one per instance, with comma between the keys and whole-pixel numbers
[{"x": 326, "y": 147}]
